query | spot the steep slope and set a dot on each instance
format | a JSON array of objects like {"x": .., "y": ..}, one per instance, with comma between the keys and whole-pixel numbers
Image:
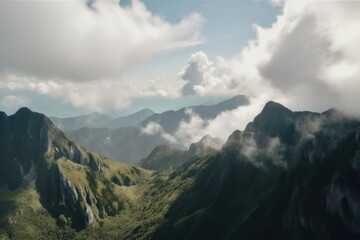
[
  {"x": 289, "y": 175},
  {"x": 72, "y": 182},
  {"x": 131, "y": 144}
]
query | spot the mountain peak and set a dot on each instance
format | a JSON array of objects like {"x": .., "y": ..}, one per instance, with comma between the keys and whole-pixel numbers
[
  {"x": 332, "y": 112},
  {"x": 206, "y": 144},
  {"x": 272, "y": 119},
  {"x": 271, "y": 112},
  {"x": 23, "y": 110},
  {"x": 27, "y": 117},
  {"x": 272, "y": 106},
  {"x": 234, "y": 102},
  {"x": 146, "y": 110}
]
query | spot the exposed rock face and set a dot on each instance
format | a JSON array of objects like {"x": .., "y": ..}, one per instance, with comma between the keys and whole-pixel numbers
[
  {"x": 24, "y": 138},
  {"x": 69, "y": 179},
  {"x": 89, "y": 216}
]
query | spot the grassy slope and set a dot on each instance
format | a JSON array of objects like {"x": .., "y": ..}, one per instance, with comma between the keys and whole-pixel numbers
[{"x": 31, "y": 220}]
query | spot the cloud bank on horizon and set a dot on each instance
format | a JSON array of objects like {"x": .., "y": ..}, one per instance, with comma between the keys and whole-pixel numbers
[{"x": 307, "y": 59}]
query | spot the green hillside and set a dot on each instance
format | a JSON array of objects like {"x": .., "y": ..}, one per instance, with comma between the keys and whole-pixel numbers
[{"x": 288, "y": 175}]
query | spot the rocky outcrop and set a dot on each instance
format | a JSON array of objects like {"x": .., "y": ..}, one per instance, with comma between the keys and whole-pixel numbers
[{"x": 70, "y": 180}]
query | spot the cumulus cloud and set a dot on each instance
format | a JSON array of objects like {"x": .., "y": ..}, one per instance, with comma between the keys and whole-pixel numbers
[
  {"x": 221, "y": 77},
  {"x": 312, "y": 54},
  {"x": 308, "y": 58},
  {"x": 153, "y": 128},
  {"x": 71, "y": 40}
]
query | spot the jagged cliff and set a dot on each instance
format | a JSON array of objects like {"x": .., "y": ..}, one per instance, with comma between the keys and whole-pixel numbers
[{"x": 71, "y": 181}]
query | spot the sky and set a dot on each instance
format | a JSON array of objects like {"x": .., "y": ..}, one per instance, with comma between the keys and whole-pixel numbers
[
  {"x": 149, "y": 80},
  {"x": 70, "y": 57}
]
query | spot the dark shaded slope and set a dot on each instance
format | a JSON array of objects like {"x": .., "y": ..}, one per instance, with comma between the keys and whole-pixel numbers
[{"x": 239, "y": 194}]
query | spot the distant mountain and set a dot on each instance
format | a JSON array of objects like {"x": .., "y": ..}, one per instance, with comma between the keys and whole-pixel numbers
[
  {"x": 71, "y": 123},
  {"x": 98, "y": 120},
  {"x": 170, "y": 120},
  {"x": 130, "y": 120},
  {"x": 131, "y": 144},
  {"x": 127, "y": 144}
]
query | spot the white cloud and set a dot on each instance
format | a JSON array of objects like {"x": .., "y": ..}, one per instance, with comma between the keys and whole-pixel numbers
[
  {"x": 308, "y": 59},
  {"x": 314, "y": 59},
  {"x": 69, "y": 40},
  {"x": 191, "y": 130},
  {"x": 12, "y": 101},
  {"x": 98, "y": 96},
  {"x": 153, "y": 128},
  {"x": 222, "y": 77},
  {"x": 194, "y": 128}
]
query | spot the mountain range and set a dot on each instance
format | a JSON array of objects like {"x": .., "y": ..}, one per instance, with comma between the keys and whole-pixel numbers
[
  {"x": 132, "y": 144},
  {"x": 99, "y": 120},
  {"x": 288, "y": 175}
]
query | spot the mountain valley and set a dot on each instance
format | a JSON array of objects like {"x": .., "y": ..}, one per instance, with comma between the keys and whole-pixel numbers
[{"x": 288, "y": 175}]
